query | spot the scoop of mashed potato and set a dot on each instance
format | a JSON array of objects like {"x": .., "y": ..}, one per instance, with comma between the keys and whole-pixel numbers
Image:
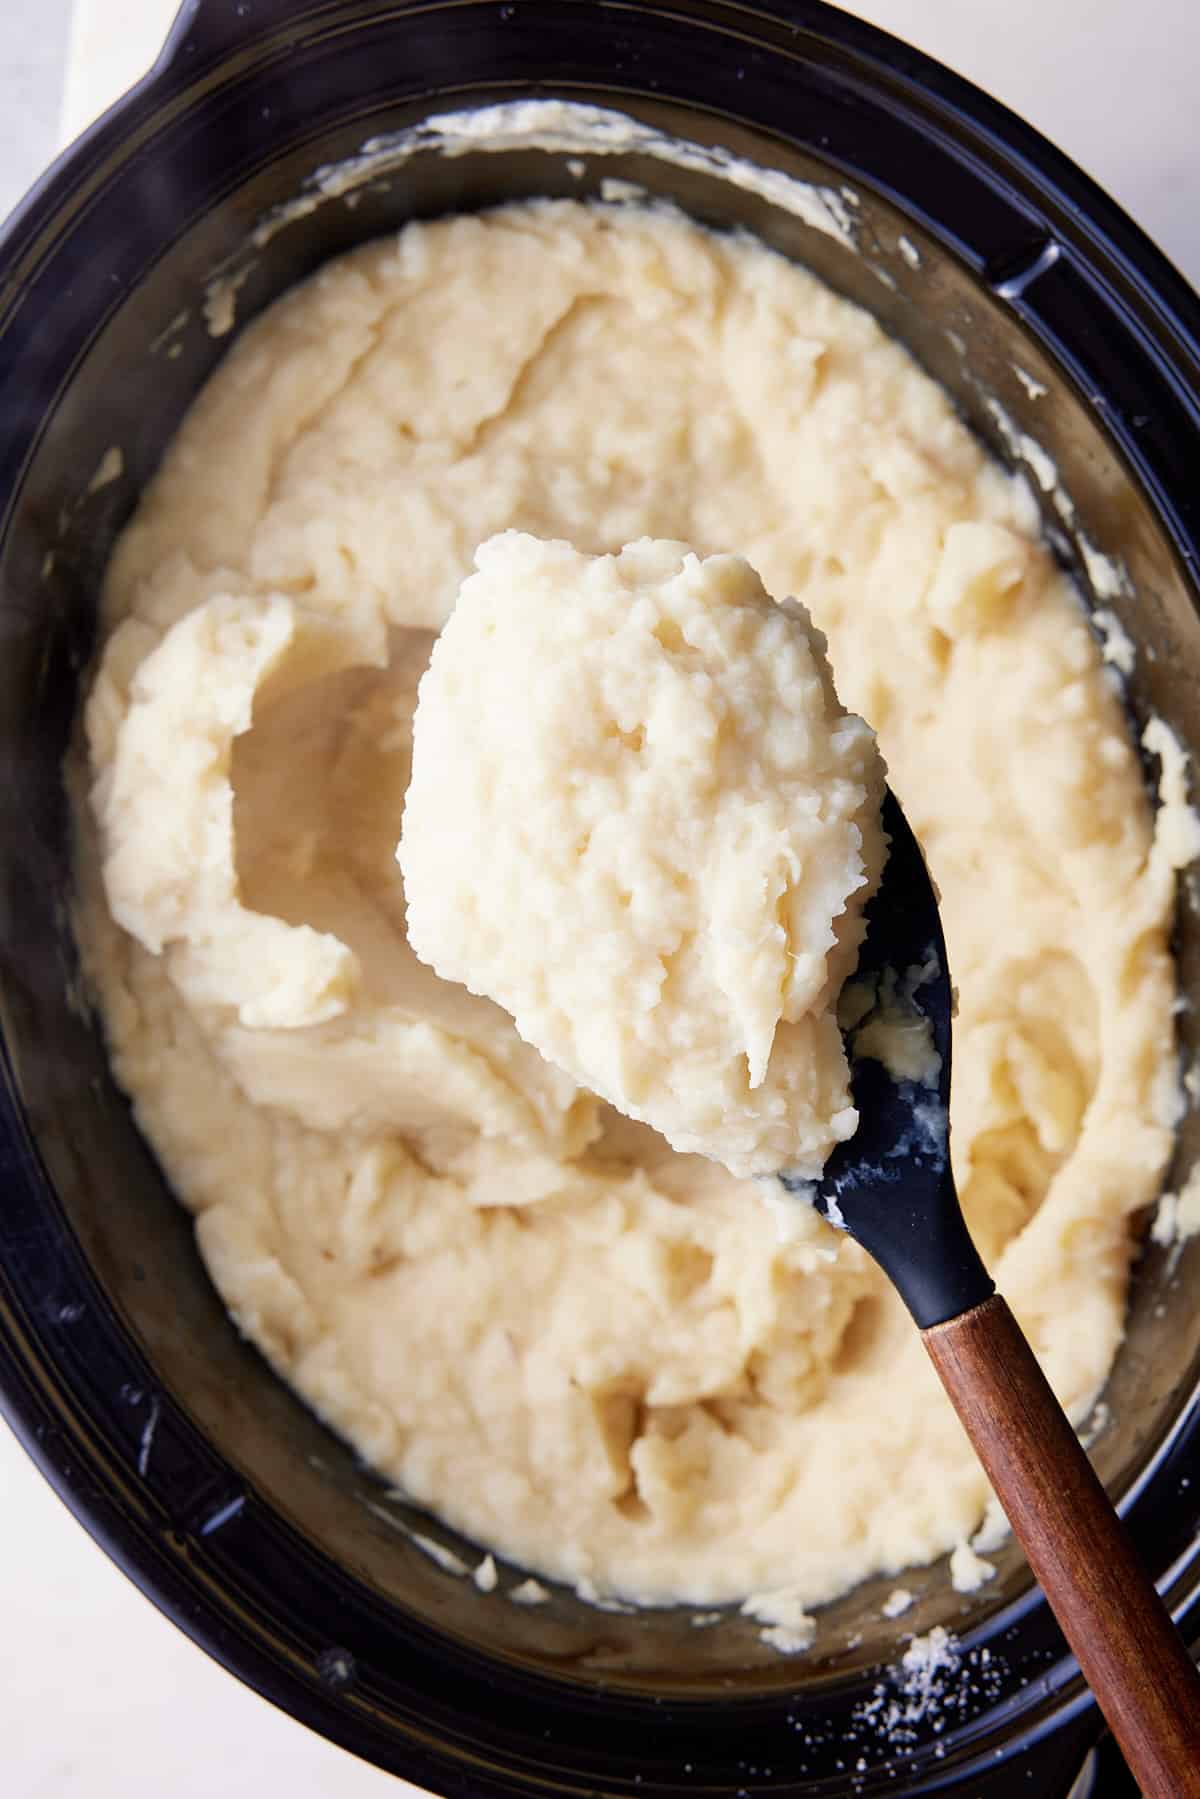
[{"x": 640, "y": 819}]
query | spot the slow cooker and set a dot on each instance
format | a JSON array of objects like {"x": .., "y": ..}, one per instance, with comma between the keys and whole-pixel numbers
[{"x": 1060, "y": 332}]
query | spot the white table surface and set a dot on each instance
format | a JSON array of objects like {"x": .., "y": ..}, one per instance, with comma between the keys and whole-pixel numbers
[{"x": 100, "y": 1697}]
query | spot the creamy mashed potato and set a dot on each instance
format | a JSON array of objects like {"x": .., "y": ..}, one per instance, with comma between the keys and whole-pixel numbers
[
  {"x": 641, "y": 821},
  {"x": 589, "y": 1352}
]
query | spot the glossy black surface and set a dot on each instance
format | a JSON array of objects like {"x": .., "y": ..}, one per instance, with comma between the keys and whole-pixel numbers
[{"x": 217, "y": 1491}]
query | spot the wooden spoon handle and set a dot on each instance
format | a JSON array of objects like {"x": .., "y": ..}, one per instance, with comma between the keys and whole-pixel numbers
[{"x": 1131, "y": 1655}]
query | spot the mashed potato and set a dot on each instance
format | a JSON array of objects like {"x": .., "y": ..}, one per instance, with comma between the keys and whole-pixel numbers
[
  {"x": 657, "y": 859},
  {"x": 592, "y": 1353}
]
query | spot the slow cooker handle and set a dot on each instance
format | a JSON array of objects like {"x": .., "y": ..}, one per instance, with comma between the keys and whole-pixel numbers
[{"x": 204, "y": 29}]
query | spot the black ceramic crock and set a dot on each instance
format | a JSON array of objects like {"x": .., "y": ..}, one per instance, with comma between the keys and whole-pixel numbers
[{"x": 228, "y": 1504}]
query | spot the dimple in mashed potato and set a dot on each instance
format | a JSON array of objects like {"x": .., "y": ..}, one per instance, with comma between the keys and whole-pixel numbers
[{"x": 589, "y": 1351}]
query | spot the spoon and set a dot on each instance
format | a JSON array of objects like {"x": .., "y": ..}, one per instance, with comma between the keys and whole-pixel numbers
[{"x": 891, "y": 1188}]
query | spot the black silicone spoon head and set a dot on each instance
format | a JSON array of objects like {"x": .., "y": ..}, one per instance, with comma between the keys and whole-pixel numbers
[{"x": 890, "y": 1186}]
